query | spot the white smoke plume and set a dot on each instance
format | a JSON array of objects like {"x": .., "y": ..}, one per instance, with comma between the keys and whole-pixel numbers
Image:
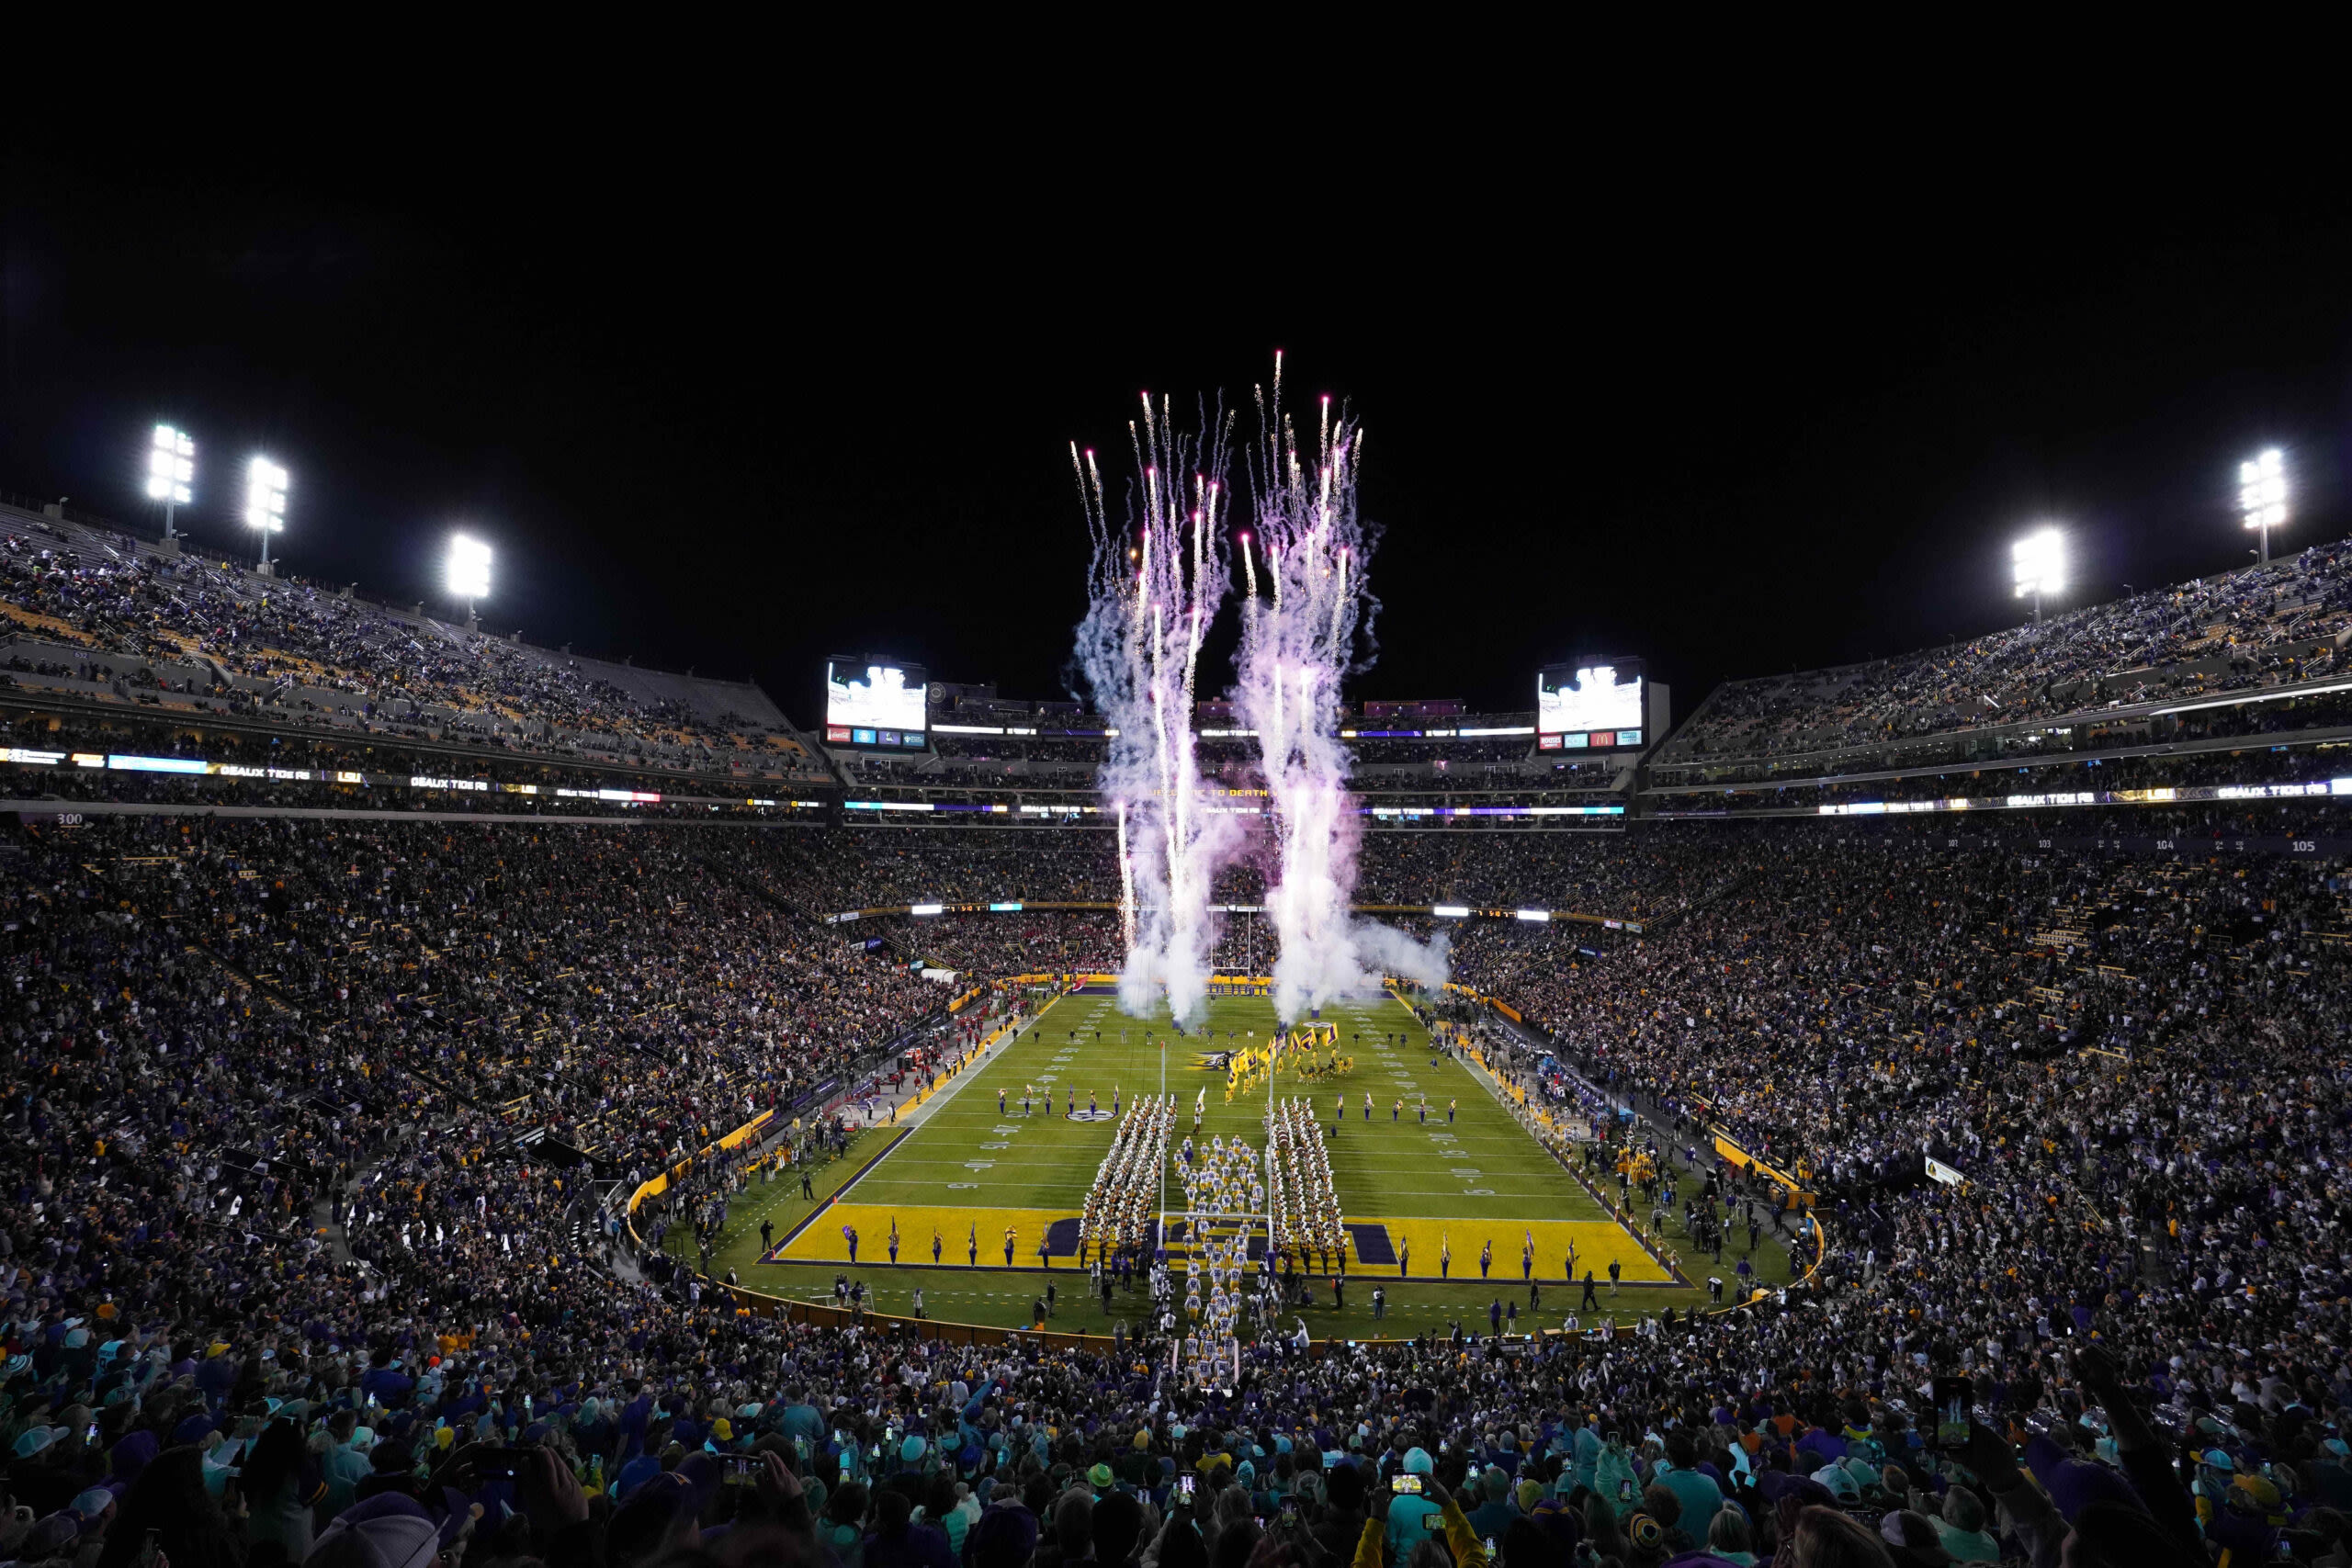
[
  {"x": 1296, "y": 645},
  {"x": 1157, "y": 581}
]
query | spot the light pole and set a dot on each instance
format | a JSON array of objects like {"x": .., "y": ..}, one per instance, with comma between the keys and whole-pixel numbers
[
  {"x": 171, "y": 470},
  {"x": 265, "y": 502},
  {"x": 468, "y": 573},
  {"x": 2038, "y": 561},
  {"x": 2262, "y": 496}
]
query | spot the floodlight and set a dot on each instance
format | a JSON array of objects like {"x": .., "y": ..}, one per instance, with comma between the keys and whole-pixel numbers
[
  {"x": 171, "y": 468},
  {"x": 266, "y": 485},
  {"x": 468, "y": 568},
  {"x": 2038, "y": 561},
  {"x": 2262, "y": 494}
]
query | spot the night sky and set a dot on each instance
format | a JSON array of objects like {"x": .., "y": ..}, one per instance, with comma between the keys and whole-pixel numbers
[{"x": 711, "y": 415}]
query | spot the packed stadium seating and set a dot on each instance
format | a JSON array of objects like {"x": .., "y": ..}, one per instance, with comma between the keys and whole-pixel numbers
[
  {"x": 316, "y": 1120},
  {"x": 101, "y": 617},
  {"x": 2243, "y": 632},
  {"x": 269, "y": 1077}
]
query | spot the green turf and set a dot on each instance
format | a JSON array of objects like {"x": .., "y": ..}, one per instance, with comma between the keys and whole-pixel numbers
[
  {"x": 969, "y": 1152},
  {"x": 967, "y": 1155}
]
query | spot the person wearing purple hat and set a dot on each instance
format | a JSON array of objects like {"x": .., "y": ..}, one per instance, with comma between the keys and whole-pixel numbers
[
  {"x": 634, "y": 1474},
  {"x": 2075, "y": 1484},
  {"x": 134, "y": 1453},
  {"x": 899, "y": 1541},
  {"x": 1005, "y": 1536},
  {"x": 660, "y": 1518},
  {"x": 2107, "y": 1524},
  {"x": 1777, "y": 1485}
]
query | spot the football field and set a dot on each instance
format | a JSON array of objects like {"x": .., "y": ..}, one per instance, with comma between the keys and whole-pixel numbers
[{"x": 984, "y": 1189}]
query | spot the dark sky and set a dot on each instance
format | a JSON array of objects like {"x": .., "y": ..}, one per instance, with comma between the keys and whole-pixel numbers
[{"x": 719, "y": 412}]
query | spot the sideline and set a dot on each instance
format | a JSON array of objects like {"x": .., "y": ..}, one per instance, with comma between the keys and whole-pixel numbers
[
  {"x": 905, "y": 1127},
  {"x": 1791, "y": 1244},
  {"x": 1486, "y": 1079}
]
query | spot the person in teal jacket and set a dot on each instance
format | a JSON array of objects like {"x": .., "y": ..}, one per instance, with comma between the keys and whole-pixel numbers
[
  {"x": 1694, "y": 1489},
  {"x": 1613, "y": 1474},
  {"x": 1586, "y": 1450}
]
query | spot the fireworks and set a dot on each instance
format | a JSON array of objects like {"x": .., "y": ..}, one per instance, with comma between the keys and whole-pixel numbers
[
  {"x": 1296, "y": 645},
  {"x": 1156, "y": 585},
  {"x": 1158, "y": 580}
]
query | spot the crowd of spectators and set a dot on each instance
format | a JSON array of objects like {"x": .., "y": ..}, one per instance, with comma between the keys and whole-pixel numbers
[
  {"x": 607, "y": 985},
  {"x": 1616, "y": 874},
  {"x": 296, "y": 652},
  {"x": 2216, "y": 635},
  {"x": 283, "y": 1284}
]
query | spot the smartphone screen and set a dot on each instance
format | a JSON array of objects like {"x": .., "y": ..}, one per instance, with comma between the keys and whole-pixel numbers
[
  {"x": 1408, "y": 1484},
  {"x": 1950, "y": 1432},
  {"x": 1184, "y": 1485}
]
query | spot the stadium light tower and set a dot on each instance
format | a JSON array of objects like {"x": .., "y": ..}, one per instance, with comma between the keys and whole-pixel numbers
[
  {"x": 2040, "y": 562},
  {"x": 266, "y": 502},
  {"x": 171, "y": 472},
  {"x": 467, "y": 574},
  {"x": 2262, "y": 495}
]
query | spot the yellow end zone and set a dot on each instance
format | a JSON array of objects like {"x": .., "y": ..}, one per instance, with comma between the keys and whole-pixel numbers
[
  {"x": 1418, "y": 1244},
  {"x": 821, "y": 1240},
  {"x": 1377, "y": 1246}
]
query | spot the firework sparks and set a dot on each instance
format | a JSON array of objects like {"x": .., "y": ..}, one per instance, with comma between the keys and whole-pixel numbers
[
  {"x": 1296, "y": 645},
  {"x": 1157, "y": 581}
]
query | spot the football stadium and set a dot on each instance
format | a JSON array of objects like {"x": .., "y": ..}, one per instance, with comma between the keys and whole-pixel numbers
[{"x": 471, "y": 1102}]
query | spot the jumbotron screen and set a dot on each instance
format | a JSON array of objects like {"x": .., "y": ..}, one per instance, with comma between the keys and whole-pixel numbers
[
  {"x": 871, "y": 703},
  {"x": 1592, "y": 705}
]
